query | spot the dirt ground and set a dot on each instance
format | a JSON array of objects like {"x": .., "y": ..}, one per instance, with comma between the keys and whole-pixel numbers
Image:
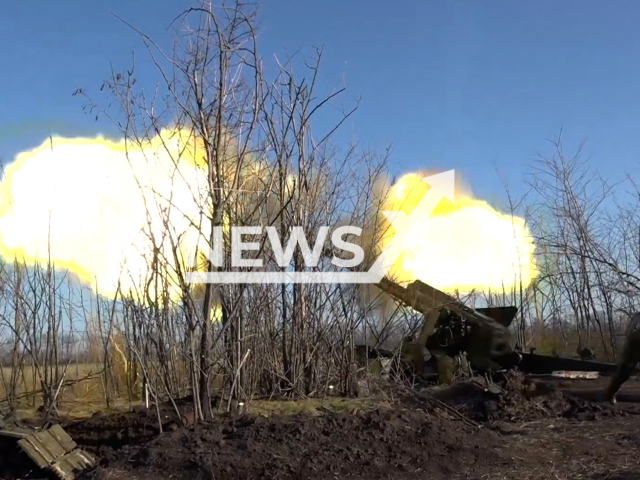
[{"x": 532, "y": 429}]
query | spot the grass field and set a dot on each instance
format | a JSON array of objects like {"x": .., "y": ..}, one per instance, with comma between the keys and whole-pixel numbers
[
  {"x": 83, "y": 391},
  {"x": 86, "y": 397}
]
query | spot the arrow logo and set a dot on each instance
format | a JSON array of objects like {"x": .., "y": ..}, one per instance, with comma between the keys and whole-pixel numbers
[{"x": 442, "y": 186}]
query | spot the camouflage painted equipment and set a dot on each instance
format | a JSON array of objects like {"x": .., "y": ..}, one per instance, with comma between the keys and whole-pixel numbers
[
  {"x": 629, "y": 359},
  {"x": 487, "y": 341},
  {"x": 49, "y": 448}
]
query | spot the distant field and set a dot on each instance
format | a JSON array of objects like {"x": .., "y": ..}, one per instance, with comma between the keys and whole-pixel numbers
[
  {"x": 83, "y": 390},
  {"x": 73, "y": 372},
  {"x": 29, "y": 380}
]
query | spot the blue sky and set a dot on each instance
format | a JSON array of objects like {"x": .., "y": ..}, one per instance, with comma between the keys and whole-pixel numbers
[{"x": 472, "y": 85}]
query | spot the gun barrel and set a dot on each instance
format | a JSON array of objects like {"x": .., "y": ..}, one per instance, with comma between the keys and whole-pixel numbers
[{"x": 422, "y": 297}]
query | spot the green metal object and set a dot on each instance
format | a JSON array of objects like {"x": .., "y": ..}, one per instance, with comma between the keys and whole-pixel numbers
[
  {"x": 50, "y": 449},
  {"x": 453, "y": 327}
]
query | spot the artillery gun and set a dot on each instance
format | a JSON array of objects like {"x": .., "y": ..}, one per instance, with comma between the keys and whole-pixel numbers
[{"x": 450, "y": 327}]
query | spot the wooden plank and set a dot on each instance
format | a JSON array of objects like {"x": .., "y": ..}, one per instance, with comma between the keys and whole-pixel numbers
[
  {"x": 44, "y": 447},
  {"x": 55, "y": 450},
  {"x": 540, "y": 364},
  {"x": 576, "y": 374},
  {"x": 72, "y": 464},
  {"x": 14, "y": 433}
]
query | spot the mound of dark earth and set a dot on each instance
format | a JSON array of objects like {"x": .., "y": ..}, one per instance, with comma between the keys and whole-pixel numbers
[
  {"x": 379, "y": 444},
  {"x": 521, "y": 399},
  {"x": 462, "y": 431}
]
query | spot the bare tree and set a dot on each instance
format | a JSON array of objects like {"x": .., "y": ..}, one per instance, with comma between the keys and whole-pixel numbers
[{"x": 263, "y": 166}]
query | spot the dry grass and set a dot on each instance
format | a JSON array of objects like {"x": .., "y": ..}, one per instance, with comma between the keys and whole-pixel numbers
[
  {"x": 85, "y": 396},
  {"x": 84, "y": 380},
  {"x": 83, "y": 390},
  {"x": 79, "y": 409},
  {"x": 83, "y": 409},
  {"x": 315, "y": 406},
  {"x": 75, "y": 371}
]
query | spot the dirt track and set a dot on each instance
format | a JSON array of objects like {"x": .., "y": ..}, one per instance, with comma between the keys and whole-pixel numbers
[{"x": 527, "y": 432}]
